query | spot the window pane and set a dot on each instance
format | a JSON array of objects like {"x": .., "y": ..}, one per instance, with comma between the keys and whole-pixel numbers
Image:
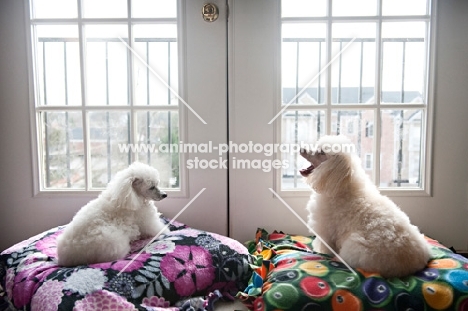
[
  {"x": 154, "y": 8},
  {"x": 158, "y": 137},
  {"x": 303, "y": 8},
  {"x": 107, "y": 132},
  {"x": 105, "y": 8},
  {"x": 62, "y": 152},
  {"x": 353, "y": 71},
  {"x": 106, "y": 65},
  {"x": 57, "y": 65},
  {"x": 157, "y": 46},
  {"x": 354, "y": 8},
  {"x": 404, "y": 7},
  {"x": 303, "y": 57},
  {"x": 404, "y": 62},
  {"x": 298, "y": 127},
  {"x": 54, "y": 9},
  {"x": 401, "y": 148},
  {"x": 362, "y": 135}
]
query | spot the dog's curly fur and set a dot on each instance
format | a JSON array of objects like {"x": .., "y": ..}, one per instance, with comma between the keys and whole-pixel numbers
[
  {"x": 102, "y": 230},
  {"x": 367, "y": 229}
]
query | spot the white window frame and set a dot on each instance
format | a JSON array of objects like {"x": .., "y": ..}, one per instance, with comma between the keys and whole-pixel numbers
[
  {"x": 427, "y": 107},
  {"x": 39, "y": 189}
]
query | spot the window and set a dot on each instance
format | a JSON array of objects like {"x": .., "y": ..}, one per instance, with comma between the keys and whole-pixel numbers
[
  {"x": 106, "y": 74},
  {"x": 366, "y": 65}
]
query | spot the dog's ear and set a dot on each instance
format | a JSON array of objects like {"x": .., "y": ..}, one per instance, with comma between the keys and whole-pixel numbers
[
  {"x": 126, "y": 197},
  {"x": 137, "y": 184},
  {"x": 333, "y": 176}
]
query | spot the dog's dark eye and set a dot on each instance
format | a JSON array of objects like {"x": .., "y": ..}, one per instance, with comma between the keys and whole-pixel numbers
[{"x": 152, "y": 188}]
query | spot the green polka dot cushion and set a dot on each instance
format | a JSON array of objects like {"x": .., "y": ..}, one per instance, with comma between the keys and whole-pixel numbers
[{"x": 289, "y": 275}]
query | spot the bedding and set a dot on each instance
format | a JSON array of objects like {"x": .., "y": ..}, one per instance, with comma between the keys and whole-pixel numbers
[
  {"x": 290, "y": 276},
  {"x": 186, "y": 269}
]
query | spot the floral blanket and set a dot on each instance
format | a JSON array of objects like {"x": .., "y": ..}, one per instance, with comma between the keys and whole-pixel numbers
[
  {"x": 290, "y": 276},
  {"x": 187, "y": 269}
]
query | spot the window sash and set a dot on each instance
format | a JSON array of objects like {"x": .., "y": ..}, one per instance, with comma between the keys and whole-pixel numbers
[
  {"x": 324, "y": 93},
  {"x": 40, "y": 107}
]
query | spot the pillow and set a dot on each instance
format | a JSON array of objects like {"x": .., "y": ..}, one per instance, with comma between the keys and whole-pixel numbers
[
  {"x": 181, "y": 264},
  {"x": 290, "y": 276}
]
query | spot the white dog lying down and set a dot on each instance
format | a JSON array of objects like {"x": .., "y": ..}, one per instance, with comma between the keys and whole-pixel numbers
[
  {"x": 102, "y": 230},
  {"x": 347, "y": 211}
]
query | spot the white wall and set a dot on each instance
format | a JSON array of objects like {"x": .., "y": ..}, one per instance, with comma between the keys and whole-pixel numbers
[
  {"x": 21, "y": 215},
  {"x": 443, "y": 216}
]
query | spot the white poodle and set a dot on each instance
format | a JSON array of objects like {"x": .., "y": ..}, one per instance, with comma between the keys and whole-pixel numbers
[
  {"x": 102, "y": 230},
  {"x": 347, "y": 211}
]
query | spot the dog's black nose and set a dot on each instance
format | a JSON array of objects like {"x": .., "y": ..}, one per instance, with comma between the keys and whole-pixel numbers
[{"x": 164, "y": 195}]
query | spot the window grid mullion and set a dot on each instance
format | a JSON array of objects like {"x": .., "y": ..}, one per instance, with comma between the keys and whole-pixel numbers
[
  {"x": 328, "y": 95},
  {"x": 44, "y": 120},
  {"x": 84, "y": 114},
  {"x": 131, "y": 96},
  {"x": 67, "y": 125},
  {"x": 377, "y": 96},
  {"x": 112, "y": 108}
]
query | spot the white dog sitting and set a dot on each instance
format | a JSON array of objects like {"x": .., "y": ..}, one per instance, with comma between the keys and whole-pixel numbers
[
  {"x": 102, "y": 230},
  {"x": 347, "y": 211}
]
